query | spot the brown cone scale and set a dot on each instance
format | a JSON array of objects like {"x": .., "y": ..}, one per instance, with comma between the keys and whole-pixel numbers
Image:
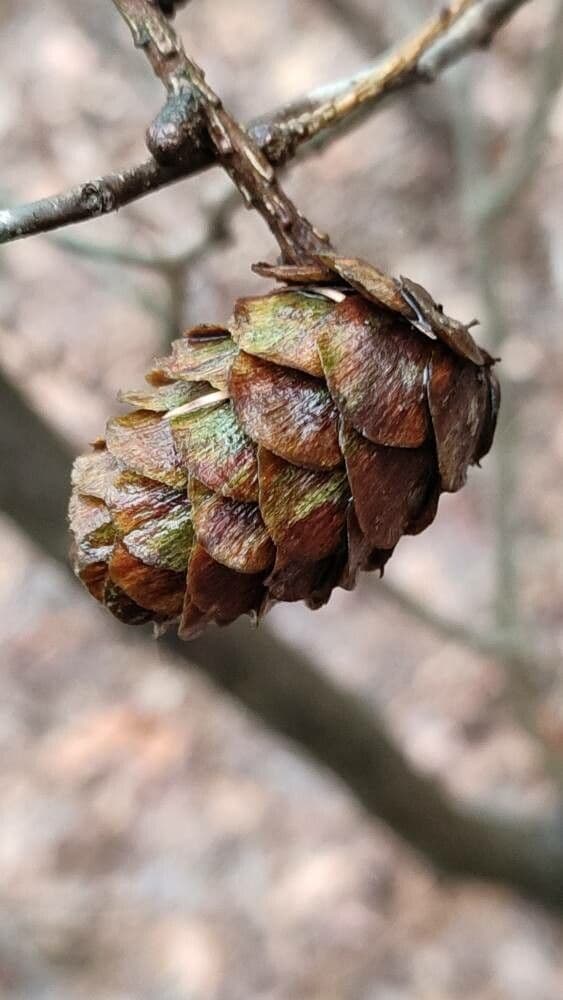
[{"x": 274, "y": 458}]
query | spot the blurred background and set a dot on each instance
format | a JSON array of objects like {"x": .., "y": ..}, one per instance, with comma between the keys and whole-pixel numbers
[{"x": 156, "y": 841}]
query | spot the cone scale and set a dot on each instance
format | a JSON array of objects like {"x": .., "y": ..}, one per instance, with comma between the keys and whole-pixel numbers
[{"x": 277, "y": 457}]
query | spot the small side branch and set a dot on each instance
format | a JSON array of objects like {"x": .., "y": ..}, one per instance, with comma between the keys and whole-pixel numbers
[
  {"x": 217, "y": 230},
  {"x": 402, "y": 66},
  {"x": 494, "y": 197},
  {"x": 171, "y": 265},
  {"x": 85, "y": 201},
  {"x": 475, "y": 30},
  {"x": 155, "y": 34},
  {"x": 487, "y": 201}
]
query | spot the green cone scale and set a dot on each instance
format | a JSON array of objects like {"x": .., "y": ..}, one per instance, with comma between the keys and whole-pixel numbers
[{"x": 274, "y": 458}]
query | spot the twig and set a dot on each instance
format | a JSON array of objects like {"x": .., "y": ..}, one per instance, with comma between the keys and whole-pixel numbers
[
  {"x": 154, "y": 33},
  {"x": 529, "y": 675},
  {"x": 293, "y": 698},
  {"x": 475, "y": 30},
  {"x": 85, "y": 201},
  {"x": 302, "y": 704},
  {"x": 278, "y": 134},
  {"x": 539, "y": 669},
  {"x": 405, "y": 65},
  {"x": 216, "y": 231},
  {"x": 495, "y": 198},
  {"x": 485, "y": 214},
  {"x": 235, "y": 150},
  {"x": 172, "y": 266}
]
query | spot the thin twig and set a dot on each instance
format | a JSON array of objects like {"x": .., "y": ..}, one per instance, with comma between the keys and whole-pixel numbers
[
  {"x": 279, "y": 134},
  {"x": 538, "y": 668},
  {"x": 475, "y": 30},
  {"x": 325, "y": 721},
  {"x": 234, "y": 148},
  {"x": 485, "y": 214},
  {"x": 495, "y": 197},
  {"x": 529, "y": 674},
  {"x": 400, "y": 67},
  {"x": 172, "y": 266},
  {"x": 216, "y": 231},
  {"x": 154, "y": 33}
]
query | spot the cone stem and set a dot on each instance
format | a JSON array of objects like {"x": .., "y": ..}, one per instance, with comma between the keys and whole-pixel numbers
[
  {"x": 192, "y": 103},
  {"x": 255, "y": 177}
]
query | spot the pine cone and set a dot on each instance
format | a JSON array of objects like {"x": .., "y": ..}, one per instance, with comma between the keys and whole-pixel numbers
[{"x": 273, "y": 459}]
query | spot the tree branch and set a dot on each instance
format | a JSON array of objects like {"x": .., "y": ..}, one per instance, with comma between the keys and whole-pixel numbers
[
  {"x": 487, "y": 201},
  {"x": 172, "y": 265},
  {"x": 165, "y": 261},
  {"x": 154, "y": 33},
  {"x": 537, "y": 670},
  {"x": 280, "y": 133},
  {"x": 292, "y": 697},
  {"x": 529, "y": 676},
  {"x": 494, "y": 197},
  {"x": 241, "y": 158},
  {"x": 402, "y": 66},
  {"x": 475, "y": 30},
  {"x": 334, "y": 727}
]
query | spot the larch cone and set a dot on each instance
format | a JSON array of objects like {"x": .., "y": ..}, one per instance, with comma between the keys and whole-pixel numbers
[{"x": 274, "y": 458}]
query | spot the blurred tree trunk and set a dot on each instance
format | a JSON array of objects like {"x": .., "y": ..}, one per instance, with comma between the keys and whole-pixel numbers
[{"x": 291, "y": 696}]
